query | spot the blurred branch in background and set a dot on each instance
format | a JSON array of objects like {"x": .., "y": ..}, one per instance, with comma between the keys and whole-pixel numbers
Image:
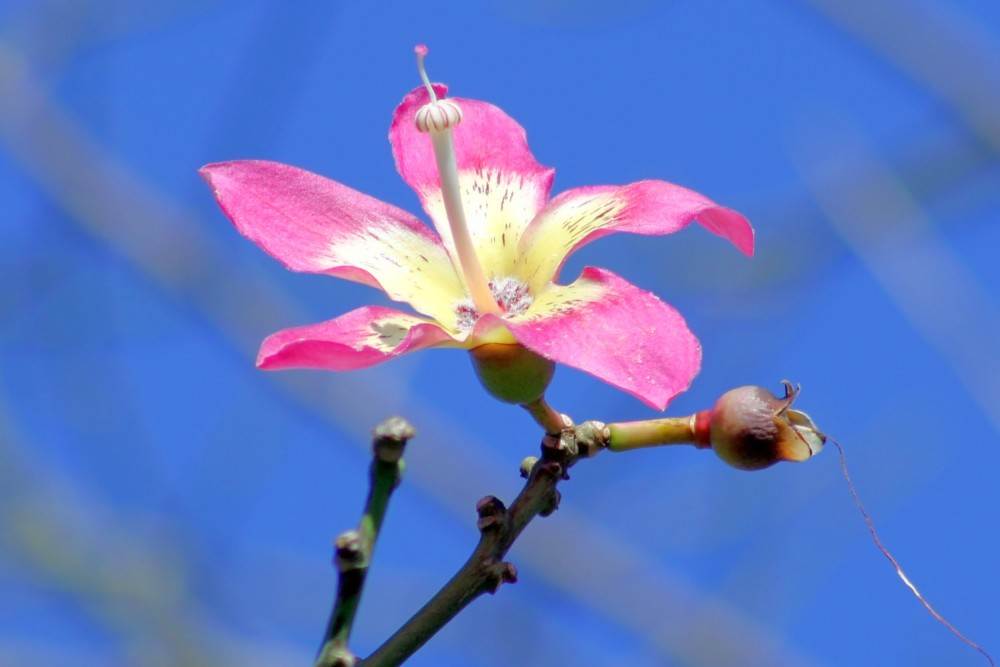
[
  {"x": 949, "y": 54},
  {"x": 936, "y": 45},
  {"x": 946, "y": 53},
  {"x": 51, "y": 32},
  {"x": 903, "y": 248},
  {"x": 128, "y": 572},
  {"x": 164, "y": 243}
]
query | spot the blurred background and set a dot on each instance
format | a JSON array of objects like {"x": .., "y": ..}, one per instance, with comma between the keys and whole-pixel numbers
[{"x": 164, "y": 503}]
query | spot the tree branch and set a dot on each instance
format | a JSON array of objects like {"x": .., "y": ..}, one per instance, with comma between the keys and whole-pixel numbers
[
  {"x": 354, "y": 547},
  {"x": 485, "y": 570}
]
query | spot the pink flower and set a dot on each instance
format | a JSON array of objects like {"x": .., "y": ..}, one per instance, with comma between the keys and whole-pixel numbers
[{"x": 518, "y": 239}]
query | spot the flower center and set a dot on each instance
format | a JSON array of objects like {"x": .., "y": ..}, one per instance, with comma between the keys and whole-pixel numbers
[
  {"x": 510, "y": 294},
  {"x": 436, "y": 119}
]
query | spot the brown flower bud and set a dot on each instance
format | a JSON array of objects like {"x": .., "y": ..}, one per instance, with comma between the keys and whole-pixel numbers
[{"x": 750, "y": 428}]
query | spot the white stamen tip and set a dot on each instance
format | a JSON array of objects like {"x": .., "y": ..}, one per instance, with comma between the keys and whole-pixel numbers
[{"x": 437, "y": 116}]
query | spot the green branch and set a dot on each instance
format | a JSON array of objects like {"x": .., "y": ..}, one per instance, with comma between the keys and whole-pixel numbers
[{"x": 354, "y": 547}]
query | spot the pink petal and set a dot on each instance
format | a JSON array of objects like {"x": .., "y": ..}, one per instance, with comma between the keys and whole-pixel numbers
[
  {"x": 581, "y": 215},
  {"x": 615, "y": 331},
  {"x": 496, "y": 169},
  {"x": 311, "y": 223},
  {"x": 358, "y": 339}
]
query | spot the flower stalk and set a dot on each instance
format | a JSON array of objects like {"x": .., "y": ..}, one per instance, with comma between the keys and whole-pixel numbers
[
  {"x": 354, "y": 547},
  {"x": 627, "y": 436},
  {"x": 546, "y": 416},
  {"x": 749, "y": 428}
]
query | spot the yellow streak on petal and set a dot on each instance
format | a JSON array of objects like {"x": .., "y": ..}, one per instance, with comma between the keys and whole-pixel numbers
[
  {"x": 559, "y": 230},
  {"x": 416, "y": 272},
  {"x": 556, "y": 300},
  {"x": 498, "y": 208},
  {"x": 388, "y": 333}
]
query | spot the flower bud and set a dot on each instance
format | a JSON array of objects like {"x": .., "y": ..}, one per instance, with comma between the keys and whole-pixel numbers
[
  {"x": 511, "y": 372},
  {"x": 750, "y": 428}
]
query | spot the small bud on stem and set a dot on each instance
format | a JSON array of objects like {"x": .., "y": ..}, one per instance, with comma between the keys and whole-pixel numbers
[{"x": 750, "y": 428}]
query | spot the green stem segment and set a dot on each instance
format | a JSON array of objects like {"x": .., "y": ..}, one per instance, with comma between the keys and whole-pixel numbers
[
  {"x": 654, "y": 433},
  {"x": 354, "y": 547}
]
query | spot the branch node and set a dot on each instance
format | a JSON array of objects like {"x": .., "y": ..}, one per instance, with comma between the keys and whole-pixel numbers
[
  {"x": 551, "y": 503},
  {"x": 561, "y": 448},
  {"x": 553, "y": 469},
  {"x": 591, "y": 438},
  {"x": 389, "y": 439},
  {"x": 509, "y": 573},
  {"x": 342, "y": 658},
  {"x": 527, "y": 465},
  {"x": 501, "y": 573},
  {"x": 492, "y": 513},
  {"x": 349, "y": 551}
]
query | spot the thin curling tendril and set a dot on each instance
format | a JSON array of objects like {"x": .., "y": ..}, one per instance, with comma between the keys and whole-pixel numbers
[{"x": 895, "y": 564}]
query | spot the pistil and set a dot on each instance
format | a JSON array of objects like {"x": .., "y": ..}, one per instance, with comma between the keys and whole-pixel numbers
[{"x": 436, "y": 119}]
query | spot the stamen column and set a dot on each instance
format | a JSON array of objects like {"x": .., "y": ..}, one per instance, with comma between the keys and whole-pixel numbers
[{"x": 436, "y": 119}]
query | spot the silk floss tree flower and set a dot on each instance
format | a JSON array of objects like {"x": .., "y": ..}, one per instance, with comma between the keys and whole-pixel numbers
[{"x": 486, "y": 282}]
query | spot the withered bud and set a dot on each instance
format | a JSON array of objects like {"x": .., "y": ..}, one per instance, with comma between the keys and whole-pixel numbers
[
  {"x": 750, "y": 428},
  {"x": 511, "y": 372}
]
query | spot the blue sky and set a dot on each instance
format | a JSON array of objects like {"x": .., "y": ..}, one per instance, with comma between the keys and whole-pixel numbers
[{"x": 163, "y": 502}]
